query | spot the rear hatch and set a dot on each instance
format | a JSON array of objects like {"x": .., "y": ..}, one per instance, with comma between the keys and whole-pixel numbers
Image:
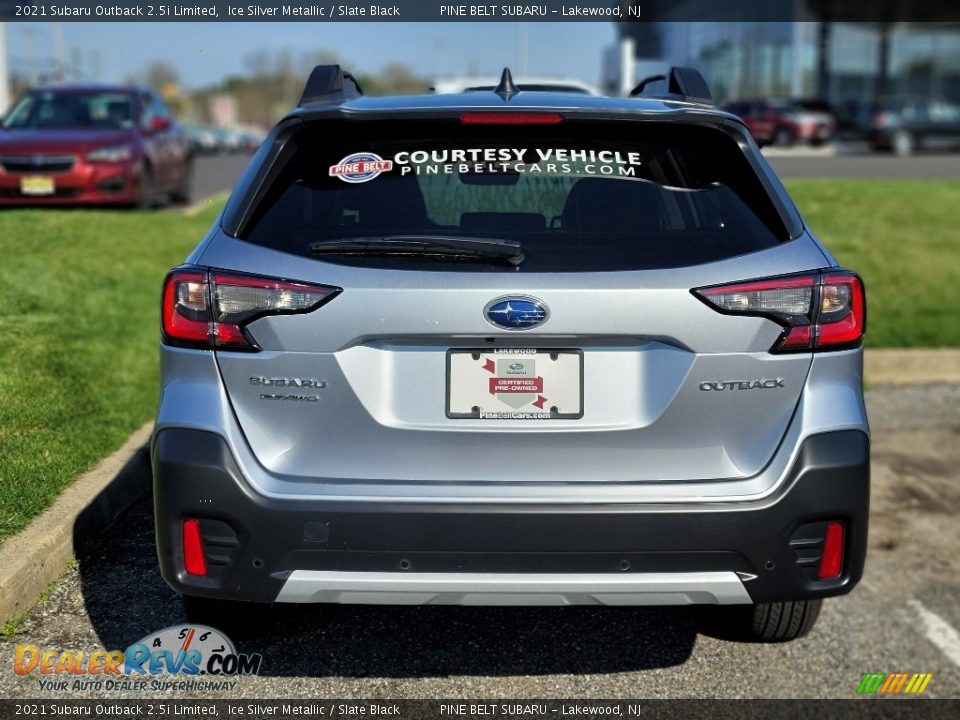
[{"x": 512, "y": 303}]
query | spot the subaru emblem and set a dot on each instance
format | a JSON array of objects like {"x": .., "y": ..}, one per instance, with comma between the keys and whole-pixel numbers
[{"x": 515, "y": 313}]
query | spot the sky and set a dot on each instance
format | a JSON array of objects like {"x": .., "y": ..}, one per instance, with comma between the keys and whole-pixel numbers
[{"x": 204, "y": 53}]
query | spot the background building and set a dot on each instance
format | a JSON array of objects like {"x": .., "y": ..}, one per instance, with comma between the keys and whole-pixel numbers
[{"x": 797, "y": 52}]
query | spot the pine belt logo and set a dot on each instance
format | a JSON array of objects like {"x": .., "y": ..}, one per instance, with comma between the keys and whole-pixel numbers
[
  {"x": 187, "y": 651},
  {"x": 360, "y": 167},
  {"x": 903, "y": 683}
]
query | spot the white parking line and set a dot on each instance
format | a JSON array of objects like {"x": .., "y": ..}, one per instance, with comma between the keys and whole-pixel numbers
[{"x": 939, "y": 632}]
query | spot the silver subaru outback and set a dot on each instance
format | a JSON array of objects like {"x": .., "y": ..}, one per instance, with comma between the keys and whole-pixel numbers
[{"x": 512, "y": 348}]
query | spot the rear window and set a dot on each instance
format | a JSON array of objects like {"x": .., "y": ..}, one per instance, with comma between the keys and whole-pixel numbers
[{"x": 577, "y": 195}]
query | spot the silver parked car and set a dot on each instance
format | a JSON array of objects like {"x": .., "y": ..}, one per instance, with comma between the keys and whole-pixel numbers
[{"x": 508, "y": 348}]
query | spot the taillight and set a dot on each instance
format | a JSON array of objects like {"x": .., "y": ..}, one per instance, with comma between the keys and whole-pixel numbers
[
  {"x": 820, "y": 311},
  {"x": 209, "y": 309},
  {"x": 511, "y": 118},
  {"x": 843, "y": 310}
]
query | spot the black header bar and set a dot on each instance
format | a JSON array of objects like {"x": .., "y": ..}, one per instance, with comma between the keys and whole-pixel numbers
[
  {"x": 456, "y": 709},
  {"x": 890, "y": 11}
]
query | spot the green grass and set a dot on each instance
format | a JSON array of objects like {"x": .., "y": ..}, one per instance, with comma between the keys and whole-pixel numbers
[
  {"x": 14, "y": 626},
  {"x": 79, "y": 322},
  {"x": 903, "y": 237},
  {"x": 79, "y": 305}
]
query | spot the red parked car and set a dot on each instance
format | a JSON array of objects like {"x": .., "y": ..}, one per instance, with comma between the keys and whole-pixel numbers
[
  {"x": 85, "y": 145},
  {"x": 774, "y": 122}
]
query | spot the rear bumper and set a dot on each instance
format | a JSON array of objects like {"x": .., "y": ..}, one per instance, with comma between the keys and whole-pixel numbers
[{"x": 269, "y": 550}]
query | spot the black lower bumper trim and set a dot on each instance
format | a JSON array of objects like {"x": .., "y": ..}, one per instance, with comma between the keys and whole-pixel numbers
[{"x": 253, "y": 543}]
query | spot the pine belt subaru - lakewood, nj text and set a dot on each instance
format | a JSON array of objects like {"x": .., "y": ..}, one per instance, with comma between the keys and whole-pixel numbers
[{"x": 512, "y": 348}]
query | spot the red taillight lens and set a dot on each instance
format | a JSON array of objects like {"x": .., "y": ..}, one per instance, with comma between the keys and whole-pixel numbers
[
  {"x": 209, "y": 309},
  {"x": 185, "y": 306},
  {"x": 825, "y": 311},
  {"x": 843, "y": 310},
  {"x": 831, "y": 561},
  {"x": 511, "y": 118},
  {"x": 194, "y": 559}
]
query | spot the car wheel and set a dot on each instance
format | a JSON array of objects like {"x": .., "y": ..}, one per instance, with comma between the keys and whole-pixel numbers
[
  {"x": 145, "y": 197},
  {"x": 184, "y": 191},
  {"x": 765, "y": 622},
  {"x": 235, "y": 618},
  {"x": 782, "y": 138},
  {"x": 902, "y": 143}
]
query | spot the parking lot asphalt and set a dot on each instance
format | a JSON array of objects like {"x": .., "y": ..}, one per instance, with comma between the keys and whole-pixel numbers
[
  {"x": 903, "y": 617},
  {"x": 215, "y": 173},
  {"x": 922, "y": 166}
]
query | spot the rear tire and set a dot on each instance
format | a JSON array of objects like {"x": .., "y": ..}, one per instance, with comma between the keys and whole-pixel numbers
[
  {"x": 767, "y": 622},
  {"x": 184, "y": 191},
  {"x": 145, "y": 198},
  {"x": 782, "y": 138},
  {"x": 782, "y": 621},
  {"x": 235, "y": 618}
]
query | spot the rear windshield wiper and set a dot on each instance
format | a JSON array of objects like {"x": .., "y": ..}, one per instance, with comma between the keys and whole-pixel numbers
[{"x": 423, "y": 246}]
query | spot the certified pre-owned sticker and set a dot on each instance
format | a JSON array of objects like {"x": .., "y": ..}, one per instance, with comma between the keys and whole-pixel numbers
[{"x": 360, "y": 167}]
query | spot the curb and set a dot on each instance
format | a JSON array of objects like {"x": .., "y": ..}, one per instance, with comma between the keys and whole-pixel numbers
[
  {"x": 800, "y": 151},
  {"x": 200, "y": 205},
  {"x": 38, "y": 555},
  {"x": 911, "y": 367}
]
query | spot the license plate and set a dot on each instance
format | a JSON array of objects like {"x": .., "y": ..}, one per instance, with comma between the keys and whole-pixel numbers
[
  {"x": 515, "y": 384},
  {"x": 37, "y": 185}
]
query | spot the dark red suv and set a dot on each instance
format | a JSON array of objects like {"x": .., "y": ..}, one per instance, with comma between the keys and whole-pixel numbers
[{"x": 116, "y": 145}]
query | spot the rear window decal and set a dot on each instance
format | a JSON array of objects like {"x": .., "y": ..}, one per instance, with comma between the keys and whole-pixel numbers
[{"x": 551, "y": 161}]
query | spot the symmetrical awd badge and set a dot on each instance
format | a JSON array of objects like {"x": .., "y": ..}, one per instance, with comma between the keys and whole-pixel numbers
[{"x": 516, "y": 313}]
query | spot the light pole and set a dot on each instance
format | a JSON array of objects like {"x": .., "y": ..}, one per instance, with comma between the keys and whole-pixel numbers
[
  {"x": 4, "y": 72},
  {"x": 521, "y": 48}
]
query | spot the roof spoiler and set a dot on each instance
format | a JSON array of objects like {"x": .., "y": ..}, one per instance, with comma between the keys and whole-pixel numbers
[
  {"x": 327, "y": 83},
  {"x": 683, "y": 83}
]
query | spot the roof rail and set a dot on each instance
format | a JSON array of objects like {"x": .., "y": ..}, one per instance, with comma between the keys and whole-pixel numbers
[
  {"x": 327, "y": 83},
  {"x": 683, "y": 83}
]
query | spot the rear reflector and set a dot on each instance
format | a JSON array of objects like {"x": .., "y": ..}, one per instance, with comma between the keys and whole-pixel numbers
[
  {"x": 510, "y": 118},
  {"x": 207, "y": 309},
  {"x": 831, "y": 561},
  {"x": 194, "y": 560},
  {"x": 819, "y": 311}
]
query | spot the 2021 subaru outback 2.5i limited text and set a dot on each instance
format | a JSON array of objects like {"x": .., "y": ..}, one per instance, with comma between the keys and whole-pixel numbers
[{"x": 512, "y": 348}]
